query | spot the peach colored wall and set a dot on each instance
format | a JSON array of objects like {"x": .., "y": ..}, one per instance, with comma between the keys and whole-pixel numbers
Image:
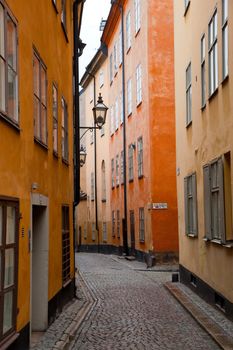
[{"x": 209, "y": 136}]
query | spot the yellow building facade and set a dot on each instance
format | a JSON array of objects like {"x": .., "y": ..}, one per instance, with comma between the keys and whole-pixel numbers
[
  {"x": 36, "y": 166},
  {"x": 204, "y": 127}
]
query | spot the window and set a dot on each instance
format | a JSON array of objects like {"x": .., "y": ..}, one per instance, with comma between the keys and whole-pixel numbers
[
  {"x": 9, "y": 214},
  {"x": 101, "y": 79},
  {"x": 65, "y": 244},
  {"x": 188, "y": 95},
  {"x": 111, "y": 68},
  {"x": 8, "y": 66},
  {"x": 92, "y": 187},
  {"x": 225, "y": 38},
  {"x": 118, "y": 224},
  {"x": 105, "y": 233},
  {"x": 213, "y": 55},
  {"x": 140, "y": 157},
  {"x": 186, "y": 5},
  {"x": 137, "y": 5},
  {"x": 120, "y": 49},
  {"x": 141, "y": 225},
  {"x": 55, "y": 119},
  {"x": 129, "y": 97},
  {"x": 139, "y": 84},
  {"x": 113, "y": 223},
  {"x": 214, "y": 200},
  {"x": 128, "y": 31},
  {"x": 190, "y": 194},
  {"x": 63, "y": 14},
  {"x": 64, "y": 130},
  {"x": 92, "y": 134},
  {"x": 103, "y": 182},
  {"x": 115, "y": 58},
  {"x": 112, "y": 122},
  {"x": 116, "y": 115},
  {"x": 121, "y": 108},
  {"x": 112, "y": 172},
  {"x": 40, "y": 99},
  {"x": 130, "y": 155},
  {"x": 203, "y": 83},
  {"x": 93, "y": 231},
  {"x": 122, "y": 167},
  {"x": 117, "y": 171},
  {"x": 85, "y": 231}
]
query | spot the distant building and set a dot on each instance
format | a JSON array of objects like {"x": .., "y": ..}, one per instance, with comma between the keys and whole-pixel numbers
[
  {"x": 204, "y": 128},
  {"x": 144, "y": 222},
  {"x": 36, "y": 166}
]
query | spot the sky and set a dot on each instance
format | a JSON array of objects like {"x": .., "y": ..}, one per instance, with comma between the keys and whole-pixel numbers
[{"x": 94, "y": 11}]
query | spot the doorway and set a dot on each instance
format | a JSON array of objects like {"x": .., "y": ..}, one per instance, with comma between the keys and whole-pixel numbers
[
  {"x": 39, "y": 268},
  {"x": 132, "y": 232}
]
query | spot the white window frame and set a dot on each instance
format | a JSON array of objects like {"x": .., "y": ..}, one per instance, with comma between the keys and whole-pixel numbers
[
  {"x": 213, "y": 53},
  {"x": 117, "y": 170},
  {"x": 112, "y": 173},
  {"x": 105, "y": 232},
  {"x": 101, "y": 79},
  {"x": 203, "y": 68},
  {"x": 188, "y": 94},
  {"x": 128, "y": 31},
  {"x": 190, "y": 198},
  {"x": 139, "y": 84},
  {"x": 225, "y": 44},
  {"x": 116, "y": 115},
  {"x": 120, "y": 52},
  {"x": 112, "y": 121},
  {"x": 137, "y": 7},
  {"x": 140, "y": 157},
  {"x": 141, "y": 225},
  {"x": 129, "y": 97},
  {"x": 92, "y": 187},
  {"x": 130, "y": 162}
]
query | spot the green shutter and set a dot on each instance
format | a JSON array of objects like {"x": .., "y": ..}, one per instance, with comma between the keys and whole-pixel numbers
[
  {"x": 207, "y": 201},
  {"x": 194, "y": 194},
  {"x": 220, "y": 175}
]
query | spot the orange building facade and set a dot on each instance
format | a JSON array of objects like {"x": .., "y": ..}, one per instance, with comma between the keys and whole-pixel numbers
[
  {"x": 36, "y": 166},
  {"x": 140, "y": 86}
]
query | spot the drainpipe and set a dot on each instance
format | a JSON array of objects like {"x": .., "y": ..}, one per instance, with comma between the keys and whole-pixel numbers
[
  {"x": 125, "y": 220},
  {"x": 78, "y": 50}
]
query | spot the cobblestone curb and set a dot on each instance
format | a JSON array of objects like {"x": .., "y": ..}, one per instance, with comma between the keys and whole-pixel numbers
[{"x": 211, "y": 327}]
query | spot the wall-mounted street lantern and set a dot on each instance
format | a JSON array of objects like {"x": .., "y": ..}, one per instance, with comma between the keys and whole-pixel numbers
[
  {"x": 100, "y": 112},
  {"x": 83, "y": 155}
]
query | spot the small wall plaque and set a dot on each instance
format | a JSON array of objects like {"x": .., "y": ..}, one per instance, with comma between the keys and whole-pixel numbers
[{"x": 157, "y": 206}]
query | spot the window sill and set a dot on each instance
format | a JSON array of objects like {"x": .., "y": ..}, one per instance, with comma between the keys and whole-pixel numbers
[
  {"x": 117, "y": 185},
  {"x": 213, "y": 94},
  {"x": 120, "y": 64},
  {"x": 129, "y": 114},
  {"x": 188, "y": 125},
  {"x": 104, "y": 200},
  {"x": 5, "y": 343},
  {"x": 115, "y": 74},
  {"x": 113, "y": 187},
  {"x": 92, "y": 200},
  {"x": 203, "y": 107},
  {"x": 55, "y": 7},
  {"x": 192, "y": 235},
  {"x": 55, "y": 154},
  {"x": 10, "y": 122},
  {"x": 65, "y": 161},
  {"x": 130, "y": 180},
  {"x": 225, "y": 80},
  {"x": 186, "y": 10},
  {"x": 137, "y": 32},
  {"x": 40, "y": 143},
  {"x": 111, "y": 82},
  {"x": 140, "y": 177},
  {"x": 218, "y": 242},
  {"x": 65, "y": 32},
  {"x": 128, "y": 50},
  {"x": 139, "y": 104},
  {"x": 142, "y": 241}
]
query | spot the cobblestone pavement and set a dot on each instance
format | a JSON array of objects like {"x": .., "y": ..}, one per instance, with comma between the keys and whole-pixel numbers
[{"x": 133, "y": 310}]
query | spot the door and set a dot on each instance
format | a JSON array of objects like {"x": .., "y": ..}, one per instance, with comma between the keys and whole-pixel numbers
[
  {"x": 132, "y": 232},
  {"x": 39, "y": 268}
]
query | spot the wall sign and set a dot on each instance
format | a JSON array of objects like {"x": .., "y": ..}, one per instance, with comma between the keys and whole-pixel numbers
[{"x": 158, "y": 206}]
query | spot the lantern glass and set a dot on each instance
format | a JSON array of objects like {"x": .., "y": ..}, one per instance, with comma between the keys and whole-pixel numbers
[
  {"x": 100, "y": 112},
  {"x": 83, "y": 156}
]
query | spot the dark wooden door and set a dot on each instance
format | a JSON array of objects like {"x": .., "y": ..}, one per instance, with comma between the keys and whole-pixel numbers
[{"x": 132, "y": 232}]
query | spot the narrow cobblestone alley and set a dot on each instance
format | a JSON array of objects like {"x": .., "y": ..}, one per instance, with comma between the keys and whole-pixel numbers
[{"x": 133, "y": 310}]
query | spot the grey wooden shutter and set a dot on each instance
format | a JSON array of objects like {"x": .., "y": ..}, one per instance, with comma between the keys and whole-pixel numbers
[
  {"x": 207, "y": 201},
  {"x": 194, "y": 194},
  {"x": 220, "y": 175},
  {"x": 186, "y": 205}
]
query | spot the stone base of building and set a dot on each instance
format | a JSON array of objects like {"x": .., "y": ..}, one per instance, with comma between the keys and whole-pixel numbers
[
  {"x": 150, "y": 258},
  {"x": 206, "y": 292}
]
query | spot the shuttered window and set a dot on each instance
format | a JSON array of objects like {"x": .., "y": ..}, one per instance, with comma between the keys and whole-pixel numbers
[
  {"x": 113, "y": 223},
  {"x": 188, "y": 95},
  {"x": 65, "y": 245},
  {"x": 190, "y": 192},
  {"x": 214, "y": 200},
  {"x": 105, "y": 234}
]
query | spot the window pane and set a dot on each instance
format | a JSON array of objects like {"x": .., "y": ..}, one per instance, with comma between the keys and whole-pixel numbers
[
  {"x": 11, "y": 43},
  {"x": 2, "y": 41},
  {"x": 9, "y": 268},
  {"x": 2, "y": 86},
  {"x": 10, "y": 225},
  {"x": 43, "y": 125},
  {"x": 7, "y": 314},
  {"x": 224, "y": 10},
  {"x": 36, "y": 117},
  {"x": 225, "y": 51},
  {"x": 36, "y": 73},
  {"x": 12, "y": 94},
  {"x": 43, "y": 86}
]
